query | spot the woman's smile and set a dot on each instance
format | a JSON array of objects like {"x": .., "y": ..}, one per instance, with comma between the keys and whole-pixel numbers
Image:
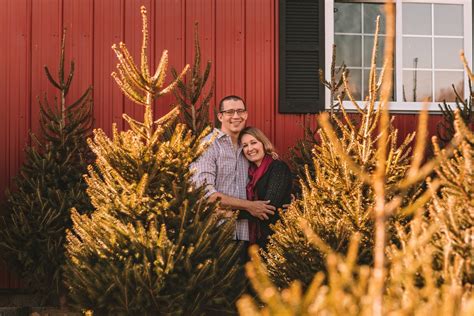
[{"x": 253, "y": 149}]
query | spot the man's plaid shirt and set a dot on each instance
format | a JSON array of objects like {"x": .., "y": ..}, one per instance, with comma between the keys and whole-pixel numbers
[{"x": 224, "y": 169}]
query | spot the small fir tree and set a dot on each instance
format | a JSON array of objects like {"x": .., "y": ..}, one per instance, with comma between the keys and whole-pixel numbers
[
  {"x": 445, "y": 129},
  {"x": 453, "y": 208},
  {"x": 301, "y": 155},
  {"x": 391, "y": 287},
  {"x": 33, "y": 230},
  {"x": 335, "y": 85},
  {"x": 411, "y": 285},
  {"x": 194, "y": 107},
  {"x": 336, "y": 201},
  {"x": 153, "y": 245},
  {"x": 348, "y": 288}
]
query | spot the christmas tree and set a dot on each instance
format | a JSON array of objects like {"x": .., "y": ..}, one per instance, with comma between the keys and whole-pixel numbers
[
  {"x": 194, "y": 108},
  {"x": 153, "y": 245},
  {"x": 453, "y": 208},
  {"x": 301, "y": 155},
  {"x": 336, "y": 201},
  {"x": 348, "y": 288},
  {"x": 410, "y": 284},
  {"x": 402, "y": 280},
  {"x": 33, "y": 230},
  {"x": 445, "y": 129}
]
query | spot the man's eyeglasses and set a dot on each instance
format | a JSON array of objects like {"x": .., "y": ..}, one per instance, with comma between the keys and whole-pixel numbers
[{"x": 231, "y": 112}]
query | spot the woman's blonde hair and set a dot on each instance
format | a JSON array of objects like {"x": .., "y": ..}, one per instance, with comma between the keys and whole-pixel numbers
[{"x": 260, "y": 136}]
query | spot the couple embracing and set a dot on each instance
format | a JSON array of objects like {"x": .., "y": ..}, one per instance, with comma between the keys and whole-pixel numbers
[{"x": 242, "y": 169}]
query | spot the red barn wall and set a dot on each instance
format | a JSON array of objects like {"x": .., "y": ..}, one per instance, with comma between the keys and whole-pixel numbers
[{"x": 239, "y": 36}]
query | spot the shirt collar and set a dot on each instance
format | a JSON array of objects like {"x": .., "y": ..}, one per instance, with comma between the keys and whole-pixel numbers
[{"x": 221, "y": 135}]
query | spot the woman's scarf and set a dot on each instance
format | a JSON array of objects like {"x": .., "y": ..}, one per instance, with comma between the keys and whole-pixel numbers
[{"x": 255, "y": 174}]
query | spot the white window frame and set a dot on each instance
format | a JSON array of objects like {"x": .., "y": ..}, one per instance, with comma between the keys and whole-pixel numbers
[{"x": 399, "y": 106}]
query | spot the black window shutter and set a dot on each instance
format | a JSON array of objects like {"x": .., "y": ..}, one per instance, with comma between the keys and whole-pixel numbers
[{"x": 301, "y": 56}]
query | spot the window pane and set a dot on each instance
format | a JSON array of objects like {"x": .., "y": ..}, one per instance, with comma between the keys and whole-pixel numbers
[
  {"x": 370, "y": 16},
  {"x": 443, "y": 82},
  {"x": 348, "y": 50},
  {"x": 449, "y": 19},
  {"x": 416, "y": 18},
  {"x": 347, "y": 18},
  {"x": 368, "y": 45},
  {"x": 366, "y": 83},
  {"x": 417, "y": 86},
  {"x": 447, "y": 53},
  {"x": 417, "y": 52},
  {"x": 355, "y": 83}
]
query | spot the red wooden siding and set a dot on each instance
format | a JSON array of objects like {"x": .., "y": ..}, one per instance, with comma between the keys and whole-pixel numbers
[
  {"x": 15, "y": 94},
  {"x": 239, "y": 36}
]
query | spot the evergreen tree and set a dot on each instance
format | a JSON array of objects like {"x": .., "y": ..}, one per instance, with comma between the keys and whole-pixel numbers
[
  {"x": 336, "y": 201},
  {"x": 153, "y": 245},
  {"x": 347, "y": 288},
  {"x": 453, "y": 208},
  {"x": 194, "y": 108},
  {"x": 391, "y": 286},
  {"x": 301, "y": 155},
  {"x": 445, "y": 129},
  {"x": 33, "y": 230}
]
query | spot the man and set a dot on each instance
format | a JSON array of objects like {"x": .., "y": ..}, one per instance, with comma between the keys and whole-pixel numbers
[{"x": 224, "y": 169}]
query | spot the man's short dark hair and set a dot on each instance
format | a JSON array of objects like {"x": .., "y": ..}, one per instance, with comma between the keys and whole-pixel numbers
[{"x": 230, "y": 97}]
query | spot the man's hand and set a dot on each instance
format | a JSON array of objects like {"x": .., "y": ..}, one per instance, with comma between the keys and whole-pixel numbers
[
  {"x": 224, "y": 212},
  {"x": 260, "y": 209}
]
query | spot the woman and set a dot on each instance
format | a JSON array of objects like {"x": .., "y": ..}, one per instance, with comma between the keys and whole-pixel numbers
[{"x": 270, "y": 179}]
